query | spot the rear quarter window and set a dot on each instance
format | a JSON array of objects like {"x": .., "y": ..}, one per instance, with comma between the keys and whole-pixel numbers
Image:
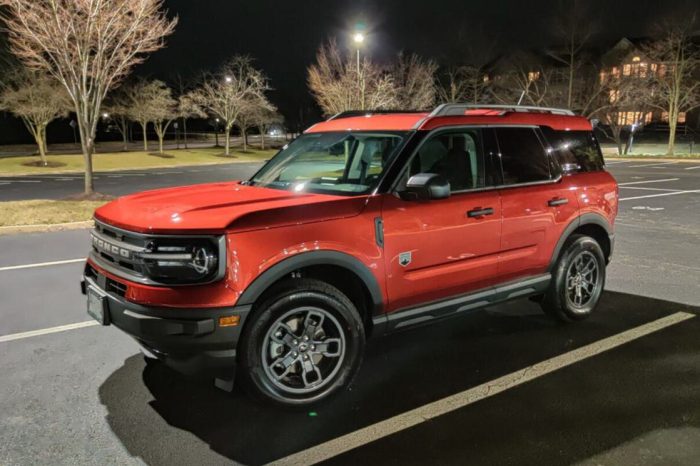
[{"x": 576, "y": 151}]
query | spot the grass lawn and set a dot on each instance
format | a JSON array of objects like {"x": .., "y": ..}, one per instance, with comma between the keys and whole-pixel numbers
[
  {"x": 41, "y": 212},
  {"x": 132, "y": 160}
]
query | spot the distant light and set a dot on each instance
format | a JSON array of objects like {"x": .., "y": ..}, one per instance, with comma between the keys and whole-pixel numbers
[
  {"x": 299, "y": 187},
  {"x": 358, "y": 38},
  {"x": 105, "y": 115},
  {"x": 228, "y": 79},
  {"x": 217, "y": 120}
]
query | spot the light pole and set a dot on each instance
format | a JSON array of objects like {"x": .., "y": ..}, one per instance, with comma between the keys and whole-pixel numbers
[{"x": 359, "y": 38}]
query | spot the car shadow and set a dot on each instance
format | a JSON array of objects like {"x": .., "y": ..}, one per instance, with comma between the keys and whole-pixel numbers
[{"x": 162, "y": 417}]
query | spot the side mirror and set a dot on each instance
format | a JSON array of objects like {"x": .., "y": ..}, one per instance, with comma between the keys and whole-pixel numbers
[{"x": 426, "y": 186}]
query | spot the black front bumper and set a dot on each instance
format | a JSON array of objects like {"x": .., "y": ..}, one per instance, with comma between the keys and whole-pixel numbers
[{"x": 188, "y": 340}]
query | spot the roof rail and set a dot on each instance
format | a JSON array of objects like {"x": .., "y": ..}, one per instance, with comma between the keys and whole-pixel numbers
[
  {"x": 356, "y": 113},
  {"x": 459, "y": 109}
]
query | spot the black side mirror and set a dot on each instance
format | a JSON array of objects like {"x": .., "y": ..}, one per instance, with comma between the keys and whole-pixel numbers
[{"x": 426, "y": 186}]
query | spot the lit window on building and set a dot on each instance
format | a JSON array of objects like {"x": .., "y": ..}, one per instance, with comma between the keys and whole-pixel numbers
[
  {"x": 615, "y": 72},
  {"x": 614, "y": 95},
  {"x": 665, "y": 119},
  {"x": 627, "y": 69},
  {"x": 681, "y": 117},
  {"x": 636, "y": 59},
  {"x": 533, "y": 75},
  {"x": 630, "y": 118}
]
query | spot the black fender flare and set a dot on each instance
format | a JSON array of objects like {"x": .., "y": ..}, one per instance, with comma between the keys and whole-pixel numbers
[
  {"x": 585, "y": 219},
  {"x": 286, "y": 266}
]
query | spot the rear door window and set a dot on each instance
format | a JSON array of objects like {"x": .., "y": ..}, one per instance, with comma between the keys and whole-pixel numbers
[
  {"x": 523, "y": 157},
  {"x": 576, "y": 151}
]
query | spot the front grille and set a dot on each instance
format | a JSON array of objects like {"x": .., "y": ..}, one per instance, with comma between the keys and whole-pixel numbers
[{"x": 120, "y": 249}]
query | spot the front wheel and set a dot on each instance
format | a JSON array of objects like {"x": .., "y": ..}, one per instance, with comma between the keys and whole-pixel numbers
[
  {"x": 578, "y": 279},
  {"x": 305, "y": 343}
]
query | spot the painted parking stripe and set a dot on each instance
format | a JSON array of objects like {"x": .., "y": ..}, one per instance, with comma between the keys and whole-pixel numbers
[
  {"x": 451, "y": 403},
  {"x": 40, "y": 264},
  {"x": 647, "y": 165},
  {"x": 692, "y": 168},
  {"x": 46, "y": 331},
  {"x": 648, "y": 181},
  {"x": 660, "y": 195},
  {"x": 646, "y": 188}
]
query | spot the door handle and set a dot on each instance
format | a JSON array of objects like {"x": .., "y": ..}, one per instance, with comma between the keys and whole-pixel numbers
[
  {"x": 557, "y": 201},
  {"x": 479, "y": 212}
]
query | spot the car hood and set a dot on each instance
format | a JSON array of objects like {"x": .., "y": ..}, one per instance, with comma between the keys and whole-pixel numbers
[{"x": 217, "y": 207}]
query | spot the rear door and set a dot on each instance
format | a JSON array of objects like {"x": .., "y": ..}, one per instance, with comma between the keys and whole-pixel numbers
[
  {"x": 441, "y": 248},
  {"x": 537, "y": 203}
]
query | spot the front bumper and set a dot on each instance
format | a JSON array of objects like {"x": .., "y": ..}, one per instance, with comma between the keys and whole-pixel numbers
[{"x": 188, "y": 340}]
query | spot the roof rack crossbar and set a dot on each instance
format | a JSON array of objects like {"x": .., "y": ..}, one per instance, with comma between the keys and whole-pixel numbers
[
  {"x": 459, "y": 109},
  {"x": 356, "y": 113}
]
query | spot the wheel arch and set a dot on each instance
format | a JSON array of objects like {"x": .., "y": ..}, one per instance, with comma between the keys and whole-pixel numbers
[
  {"x": 339, "y": 269},
  {"x": 590, "y": 224}
]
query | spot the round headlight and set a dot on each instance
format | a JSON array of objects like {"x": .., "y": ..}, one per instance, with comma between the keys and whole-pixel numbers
[{"x": 203, "y": 260}]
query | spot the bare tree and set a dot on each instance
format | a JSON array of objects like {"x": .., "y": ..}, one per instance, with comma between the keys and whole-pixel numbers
[
  {"x": 338, "y": 84},
  {"x": 529, "y": 83},
  {"x": 226, "y": 93},
  {"x": 573, "y": 28},
  {"x": 677, "y": 59},
  {"x": 254, "y": 111},
  {"x": 38, "y": 100},
  {"x": 116, "y": 108},
  {"x": 89, "y": 46},
  {"x": 415, "y": 81},
  {"x": 164, "y": 110},
  {"x": 466, "y": 83},
  {"x": 264, "y": 118},
  {"x": 620, "y": 94},
  {"x": 187, "y": 107}
]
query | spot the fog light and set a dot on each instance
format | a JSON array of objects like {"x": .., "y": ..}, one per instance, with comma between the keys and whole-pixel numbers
[{"x": 229, "y": 321}]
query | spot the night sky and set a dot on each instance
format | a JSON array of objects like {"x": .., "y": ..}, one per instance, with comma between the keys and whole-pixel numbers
[{"x": 283, "y": 35}]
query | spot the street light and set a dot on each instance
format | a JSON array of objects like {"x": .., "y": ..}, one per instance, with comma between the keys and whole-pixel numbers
[
  {"x": 228, "y": 79},
  {"x": 359, "y": 38}
]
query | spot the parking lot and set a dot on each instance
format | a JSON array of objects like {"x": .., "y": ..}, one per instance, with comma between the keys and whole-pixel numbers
[{"x": 500, "y": 386}]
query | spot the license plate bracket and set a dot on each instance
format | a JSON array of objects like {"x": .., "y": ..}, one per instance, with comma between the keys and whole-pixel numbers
[{"x": 97, "y": 305}]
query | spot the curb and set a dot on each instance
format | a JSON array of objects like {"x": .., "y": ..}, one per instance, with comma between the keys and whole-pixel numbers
[
  {"x": 45, "y": 227},
  {"x": 110, "y": 170}
]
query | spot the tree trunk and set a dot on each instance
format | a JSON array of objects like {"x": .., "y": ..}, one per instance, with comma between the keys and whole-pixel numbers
[
  {"x": 39, "y": 136},
  {"x": 125, "y": 133},
  {"x": 227, "y": 151},
  {"x": 144, "y": 127},
  {"x": 184, "y": 130},
  {"x": 244, "y": 136},
  {"x": 160, "y": 143},
  {"x": 262, "y": 138},
  {"x": 671, "y": 137},
  {"x": 87, "y": 142}
]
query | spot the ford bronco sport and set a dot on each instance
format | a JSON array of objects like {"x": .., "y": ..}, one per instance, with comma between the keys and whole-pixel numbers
[{"x": 365, "y": 224}]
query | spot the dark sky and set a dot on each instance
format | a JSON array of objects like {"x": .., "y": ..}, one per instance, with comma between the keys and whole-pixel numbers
[{"x": 283, "y": 35}]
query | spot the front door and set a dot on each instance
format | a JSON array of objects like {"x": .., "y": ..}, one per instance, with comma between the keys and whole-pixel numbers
[{"x": 441, "y": 248}]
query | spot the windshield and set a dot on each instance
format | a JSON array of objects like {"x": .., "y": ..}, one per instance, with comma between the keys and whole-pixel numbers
[{"x": 331, "y": 163}]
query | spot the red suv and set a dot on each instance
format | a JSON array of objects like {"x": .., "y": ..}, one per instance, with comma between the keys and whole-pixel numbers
[{"x": 365, "y": 224}]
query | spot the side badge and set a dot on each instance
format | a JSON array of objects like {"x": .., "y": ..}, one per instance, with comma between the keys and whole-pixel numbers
[{"x": 404, "y": 258}]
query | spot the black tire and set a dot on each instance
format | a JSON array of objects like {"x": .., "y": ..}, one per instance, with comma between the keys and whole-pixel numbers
[
  {"x": 300, "y": 301},
  {"x": 568, "y": 298}
]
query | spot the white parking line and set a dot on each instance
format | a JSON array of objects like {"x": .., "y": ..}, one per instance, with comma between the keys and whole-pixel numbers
[
  {"x": 46, "y": 331},
  {"x": 651, "y": 165},
  {"x": 40, "y": 264},
  {"x": 693, "y": 168},
  {"x": 451, "y": 403},
  {"x": 649, "y": 189},
  {"x": 660, "y": 195},
  {"x": 4, "y": 182},
  {"x": 648, "y": 181}
]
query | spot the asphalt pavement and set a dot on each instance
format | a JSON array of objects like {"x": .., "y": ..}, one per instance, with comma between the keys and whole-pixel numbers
[
  {"x": 118, "y": 183},
  {"x": 500, "y": 386}
]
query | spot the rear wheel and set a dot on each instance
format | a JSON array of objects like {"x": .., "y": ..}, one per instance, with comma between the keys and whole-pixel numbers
[
  {"x": 578, "y": 279},
  {"x": 304, "y": 344}
]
